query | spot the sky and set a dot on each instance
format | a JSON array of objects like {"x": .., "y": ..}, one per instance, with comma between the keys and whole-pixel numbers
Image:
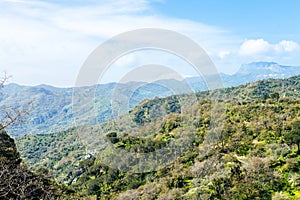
[{"x": 47, "y": 41}]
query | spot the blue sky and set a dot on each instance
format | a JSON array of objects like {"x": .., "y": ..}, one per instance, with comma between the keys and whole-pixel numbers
[
  {"x": 270, "y": 19},
  {"x": 47, "y": 41}
]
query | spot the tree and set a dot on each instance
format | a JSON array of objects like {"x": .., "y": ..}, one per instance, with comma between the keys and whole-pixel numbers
[
  {"x": 293, "y": 137},
  {"x": 10, "y": 115},
  {"x": 16, "y": 181},
  {"x": 275, "y": 96}
]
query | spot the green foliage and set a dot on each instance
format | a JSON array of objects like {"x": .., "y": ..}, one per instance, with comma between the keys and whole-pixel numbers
[
  {"x": 112, "y": 137},
  {"x": 293, "y": 137},
  {"x": 17, "y": 182},
  {"x": 251, "y": 157},
  {"x": 8, "y": 150},
  {"x": 275, "y": 95}
]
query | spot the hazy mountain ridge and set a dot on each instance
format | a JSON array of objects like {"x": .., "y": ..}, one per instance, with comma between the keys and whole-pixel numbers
[
  {"x": 52, "y": 107},
  {"x": 260, "y": 70}
]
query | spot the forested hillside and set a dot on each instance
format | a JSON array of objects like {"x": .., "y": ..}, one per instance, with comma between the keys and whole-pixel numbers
[
  {"x": 251, "y": 153},
  {"x": 17, "y": 182}
]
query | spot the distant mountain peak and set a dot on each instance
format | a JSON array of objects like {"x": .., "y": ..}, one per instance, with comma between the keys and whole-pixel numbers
[
  {"x": 246, "y": 68},
  {"x": 268, "y": 70}
]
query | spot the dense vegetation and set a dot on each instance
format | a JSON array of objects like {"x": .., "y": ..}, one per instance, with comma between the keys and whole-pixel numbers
[
  {"x": 252, "y": 154},
  {"x": 17, "y": 182}
]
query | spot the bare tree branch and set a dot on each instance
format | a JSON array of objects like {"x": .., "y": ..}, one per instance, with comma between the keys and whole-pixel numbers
[{"x": 10, "y": 115}]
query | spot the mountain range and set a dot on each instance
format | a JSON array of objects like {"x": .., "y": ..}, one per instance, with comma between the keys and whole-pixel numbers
[{"x": 51, "y": 108}]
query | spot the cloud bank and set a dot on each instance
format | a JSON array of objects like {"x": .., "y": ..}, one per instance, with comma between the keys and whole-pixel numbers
[
  {"x": 260, "y": 46},
  {"x": 47, "y": 41}
]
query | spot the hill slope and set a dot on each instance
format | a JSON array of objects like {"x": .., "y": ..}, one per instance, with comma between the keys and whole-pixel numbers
[
  {"x": 17, "y": 182},
  {"x": 248, "y": 155}
]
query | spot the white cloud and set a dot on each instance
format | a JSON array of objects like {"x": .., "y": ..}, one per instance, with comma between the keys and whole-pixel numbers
[
  {"x": 284, "y": 52},
  {"x": 253, "y": 47},
  {"x": 262, "y": 47},
  {"x": 45, "y": 38},
  {"x": 286, "y": 46}
]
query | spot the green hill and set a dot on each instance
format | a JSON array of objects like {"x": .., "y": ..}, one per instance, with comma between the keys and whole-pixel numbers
[{"x": 247, "y": 151}]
